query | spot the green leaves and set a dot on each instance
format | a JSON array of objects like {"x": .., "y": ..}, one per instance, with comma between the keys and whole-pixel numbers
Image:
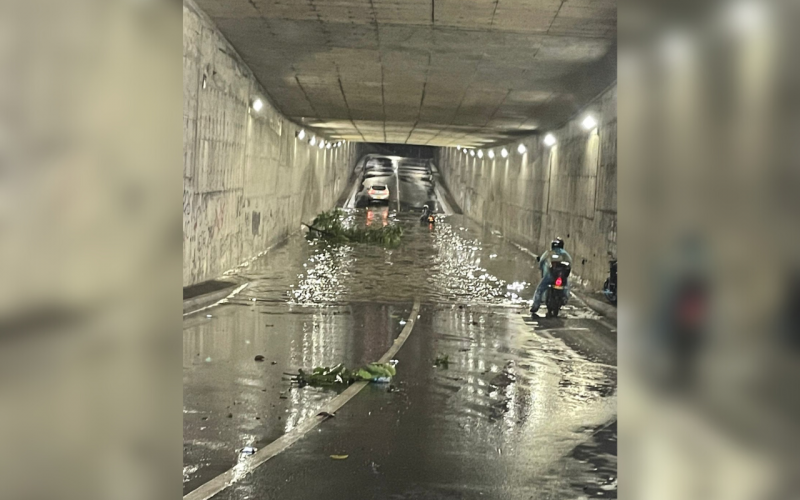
[
  {"x": 442, "y": 360},
  {"x": 339, "y": 374},
  {"x": 330, "y": 227}
]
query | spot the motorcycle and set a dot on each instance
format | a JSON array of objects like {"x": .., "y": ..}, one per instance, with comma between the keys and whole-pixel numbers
[
  {"x": 557, "y": 292},
  {"x": 610, "y": 285},
  {"x": 427, "y": 216}
]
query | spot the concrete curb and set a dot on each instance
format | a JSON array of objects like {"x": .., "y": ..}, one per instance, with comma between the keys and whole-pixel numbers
[
  {"x": 600, "y": 308},
  {"x": 201, "y": 301},
  {"x": 210, "y": 489}
]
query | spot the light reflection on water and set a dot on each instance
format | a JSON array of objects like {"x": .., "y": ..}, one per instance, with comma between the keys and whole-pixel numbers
[
  {"x": 439, "y": 264},
  {"x": 300, "y": 288}
]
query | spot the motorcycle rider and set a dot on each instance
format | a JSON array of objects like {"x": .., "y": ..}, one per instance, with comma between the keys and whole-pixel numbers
[
  {"x": 556, "y": 247},
  {"x": 426, "y": 211}
]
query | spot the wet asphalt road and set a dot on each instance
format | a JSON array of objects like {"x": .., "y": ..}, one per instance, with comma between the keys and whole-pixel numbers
[
  {"x": 411, "y": 183},
  {"x": 526, "y": 409}
]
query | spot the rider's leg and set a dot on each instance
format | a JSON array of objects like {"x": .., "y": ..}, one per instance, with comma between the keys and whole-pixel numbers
[{"x": 537, "y": 296}]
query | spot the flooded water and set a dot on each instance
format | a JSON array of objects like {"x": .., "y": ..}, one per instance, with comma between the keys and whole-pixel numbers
[
  {"x": 443, "y": 263},
  {"x": 526, "y": 399}
]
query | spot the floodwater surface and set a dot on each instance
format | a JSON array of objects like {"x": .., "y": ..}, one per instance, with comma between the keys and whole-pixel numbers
[{"x": 523, "y": 409}]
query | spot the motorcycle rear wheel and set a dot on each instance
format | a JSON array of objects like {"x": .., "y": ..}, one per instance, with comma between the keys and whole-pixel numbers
[{"x": 553, "y": 307}]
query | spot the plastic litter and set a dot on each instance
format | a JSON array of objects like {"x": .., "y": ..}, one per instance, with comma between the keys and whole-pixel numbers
[{"x": 248, "y": 450}]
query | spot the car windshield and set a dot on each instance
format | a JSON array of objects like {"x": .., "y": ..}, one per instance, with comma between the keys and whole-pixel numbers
[{"x": 378, "y": 187}]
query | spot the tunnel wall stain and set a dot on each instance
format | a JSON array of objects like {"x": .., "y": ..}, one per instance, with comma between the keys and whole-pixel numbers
[
  {"x": 569, "y": 190},
  {"x": 248, "y": 181}
]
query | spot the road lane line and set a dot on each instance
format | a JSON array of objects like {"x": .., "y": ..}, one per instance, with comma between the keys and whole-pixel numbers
[
  {"x": 566, "y": 328},
  {"x": 228, "y": 478}
]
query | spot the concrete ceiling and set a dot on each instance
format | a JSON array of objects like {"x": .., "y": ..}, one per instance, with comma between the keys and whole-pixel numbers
[{"x": 434, "y": 72}]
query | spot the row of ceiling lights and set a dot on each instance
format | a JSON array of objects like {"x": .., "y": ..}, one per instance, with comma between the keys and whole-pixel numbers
[
  {"x": 588, "y": 123},
  {"x": 257, "y": 104},
  {"x": 319, "y": 142}
]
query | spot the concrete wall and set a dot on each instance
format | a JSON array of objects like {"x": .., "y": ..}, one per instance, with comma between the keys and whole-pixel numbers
[
  {"x": 248, "y": 181},
  {"x": 569, "y": 190}
]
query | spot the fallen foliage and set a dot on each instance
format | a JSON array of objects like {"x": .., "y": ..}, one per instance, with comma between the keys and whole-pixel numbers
[
  {"x": 340, "y": 374},
  {"x": 330, "y": 227}
]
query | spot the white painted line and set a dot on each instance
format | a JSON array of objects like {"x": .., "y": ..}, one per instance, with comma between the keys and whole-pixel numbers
[
  {"x": 571, "y": 329},
  {"x": 608, "y": 325},
  {"x": 226, "y": 479},
  {"x": 220, "y": 301},
  {"x": 601, "y": 365}
]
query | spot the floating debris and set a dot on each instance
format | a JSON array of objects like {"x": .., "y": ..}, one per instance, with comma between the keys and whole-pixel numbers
[
  {"x": 442, "y": 360},
  {"x": 330, "y": 227},
  {"x": 340, "y": 374}
]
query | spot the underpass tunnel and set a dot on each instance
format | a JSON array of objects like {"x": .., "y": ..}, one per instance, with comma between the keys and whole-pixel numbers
[
  {"x": 507, "y": 116},
  {"x": 455, "y": 139}
]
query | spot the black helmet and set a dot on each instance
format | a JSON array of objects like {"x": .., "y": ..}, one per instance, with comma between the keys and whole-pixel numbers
[{"x": 557, "y": 243}]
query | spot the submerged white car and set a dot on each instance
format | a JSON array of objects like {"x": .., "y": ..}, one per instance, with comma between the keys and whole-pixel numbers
[{"x": 378, "y": 192}]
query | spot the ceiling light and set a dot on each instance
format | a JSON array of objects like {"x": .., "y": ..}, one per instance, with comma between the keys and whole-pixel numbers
[
  {"x": 472, "y": 152},
  {"x": 589, "y": 122},
  {"x": 504, "y": 153},
  {"x": 458, "y": 148},
  {"x": 257, "y": 104},
  {"x": 480, "y": 153},
  {"x": 328, "y": 146},
  {"x": 491, "y": 154},
  {"x": 313, "y": 140},
  {"x": 301, "y": 135},
  {"x": 521, "y": 149},
  {"x": 321, "y": 144},
  {"x": 549, "y": 140}
]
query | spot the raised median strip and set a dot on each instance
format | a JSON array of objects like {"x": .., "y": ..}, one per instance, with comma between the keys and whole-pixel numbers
[{"x": 231, "y": 476}]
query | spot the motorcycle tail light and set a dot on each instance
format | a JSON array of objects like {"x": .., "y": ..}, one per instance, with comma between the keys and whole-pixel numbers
[{"x": 559, "y": 281}]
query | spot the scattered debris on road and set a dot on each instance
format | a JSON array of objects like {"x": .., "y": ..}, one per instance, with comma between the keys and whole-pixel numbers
[
  {"x": 330, "y": 227},
  {"x": 339, "y": 457},
  {"x": 442, "y": 361},
  {"x": 247, "y": 450},
  {"x": 340, "y": 374},
  {"x": 259, "y": 357}
]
